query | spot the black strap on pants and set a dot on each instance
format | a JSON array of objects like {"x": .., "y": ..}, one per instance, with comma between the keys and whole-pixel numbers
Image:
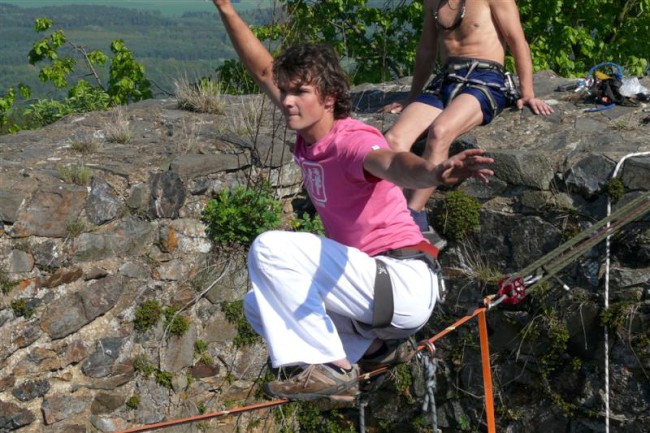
[{"x": 384, "y": 305}]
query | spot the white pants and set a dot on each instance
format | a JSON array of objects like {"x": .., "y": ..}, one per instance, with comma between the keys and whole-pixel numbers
[{"x": 307, "y": 290}]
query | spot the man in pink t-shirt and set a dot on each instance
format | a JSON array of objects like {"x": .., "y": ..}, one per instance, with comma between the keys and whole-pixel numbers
[{"x": 329, "y": 303}]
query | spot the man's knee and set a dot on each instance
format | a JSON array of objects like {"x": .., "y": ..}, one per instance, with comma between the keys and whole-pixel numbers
[
  {"x": 264, "y": 249},
  {"x": 397, "y": 143},
  {"x": 440, "y": 134}
]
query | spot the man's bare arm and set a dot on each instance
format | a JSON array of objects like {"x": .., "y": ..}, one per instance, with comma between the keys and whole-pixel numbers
[
  {"x": 408, "y": 170},
  {"x": 252, "y": 53},
  {"x": 507, "y": 20}
]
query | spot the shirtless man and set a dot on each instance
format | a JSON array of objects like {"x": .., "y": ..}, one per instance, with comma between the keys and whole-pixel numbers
[{"x": 470, "y": 38}]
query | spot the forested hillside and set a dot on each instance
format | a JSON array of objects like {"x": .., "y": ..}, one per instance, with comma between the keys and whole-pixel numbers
[{"x": 193, "y": 44}]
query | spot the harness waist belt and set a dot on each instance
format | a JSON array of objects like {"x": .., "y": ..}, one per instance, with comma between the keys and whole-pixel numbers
[{"x": 455, "y": 63}]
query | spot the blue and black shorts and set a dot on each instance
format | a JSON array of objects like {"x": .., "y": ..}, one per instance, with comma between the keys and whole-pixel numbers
[{"x": 483, "y": 79}]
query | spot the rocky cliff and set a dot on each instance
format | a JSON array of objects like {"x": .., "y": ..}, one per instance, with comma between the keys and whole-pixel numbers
[{"x": 100, "y": 215}]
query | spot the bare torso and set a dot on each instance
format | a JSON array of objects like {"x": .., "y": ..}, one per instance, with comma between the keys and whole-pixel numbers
[{"x": 476, "y": 35}]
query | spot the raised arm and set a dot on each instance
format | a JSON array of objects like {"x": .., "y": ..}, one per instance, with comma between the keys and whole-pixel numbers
[
  {"x": 408, "y": 170},
  {"x": 506, "y": 18},
  {"x": 255, "y": 57}
]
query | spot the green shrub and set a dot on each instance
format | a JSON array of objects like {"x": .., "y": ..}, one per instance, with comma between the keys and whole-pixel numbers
[
  {"x": 46, "y": 111},
  {"x": 178, "y": 325},
  {"x": 79, "y": 174},
  {"x": 236, "y": 217},
  {"x": 235, "y": 80},
  {"x": 22, "y": 307},
  {"x": 6, "y": 283},
  {"x": 459, "y": 216},
  {"x": 164, "y": 378},
  {"x": 234, "y": 312},
  {"x": 133, "y": 402},
  {"x": 142, "y": 365},
  {"x": 147, "y": 315},
  {"x": 308, "y": 224},
  {"x": 203, "y": 96},
  {"x": 615, "y": 189}
]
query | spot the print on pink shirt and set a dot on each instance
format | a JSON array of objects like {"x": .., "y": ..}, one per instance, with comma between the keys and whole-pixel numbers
[{"x": 314, "y": 182}]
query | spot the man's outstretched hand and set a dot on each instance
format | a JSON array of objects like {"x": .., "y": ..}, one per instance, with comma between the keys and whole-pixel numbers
[{"x": 468, "y": 163}]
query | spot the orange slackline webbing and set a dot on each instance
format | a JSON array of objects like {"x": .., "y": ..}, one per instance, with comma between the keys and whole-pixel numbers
[
  {"x": 487, "y": 381},
  {"x": 487, "y": 372},
  {"x": 171, "y": 423}
]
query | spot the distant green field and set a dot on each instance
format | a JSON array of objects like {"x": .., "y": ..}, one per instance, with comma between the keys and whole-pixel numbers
[{"x": 166, "y": 7}]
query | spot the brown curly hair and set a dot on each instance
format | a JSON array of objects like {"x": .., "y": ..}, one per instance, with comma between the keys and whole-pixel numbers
[{"x": 316, "y": 65}]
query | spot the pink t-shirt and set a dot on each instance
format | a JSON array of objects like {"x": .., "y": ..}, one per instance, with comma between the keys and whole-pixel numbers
[{"x": 357, "y": 209}]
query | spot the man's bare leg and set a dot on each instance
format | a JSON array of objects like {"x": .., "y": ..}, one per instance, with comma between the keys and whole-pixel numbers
[
  {"x": 414, "y": 120},
  {"x": 463, "y": 114}
]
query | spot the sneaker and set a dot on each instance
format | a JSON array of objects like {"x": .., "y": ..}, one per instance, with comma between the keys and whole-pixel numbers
[
  {"x": 435, "y": 239},
  {"x": 317, "y": 381},
  {"x": 394, "y": 352}
]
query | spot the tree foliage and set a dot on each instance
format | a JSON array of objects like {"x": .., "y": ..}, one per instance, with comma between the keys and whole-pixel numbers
[
  {"x": 127, "y": 81},
  {"x": 377, "y": 40},
  {"x": 570, "y": 37}
]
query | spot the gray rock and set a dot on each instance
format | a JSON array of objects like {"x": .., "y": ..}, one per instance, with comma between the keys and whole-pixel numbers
[
  {"x": 134, "y": 270},
  {"x": 139, "y": 196},
  {"x": 103, "y": 204},
  {"x": 589, "y": 176},
  {"x": 70, "y": 312},
  {"x": 636, "y": 173},
  {"x": 58, "y": 407},
  {"x": 13, "y": 417},
  {"x": 532, "y": 169},
  {"x": 49, "y": 254},
  {"x": 107, "y": 402},
  {"x": 167, "y": 195},
  {"x": 20, "y": 261},
  {"x": 49, "y": 211},
  {"x": 515, "y": 241},
  {"x": 31, "y": 389},
  {"x": 91, "y": 246},
  {"x": 191, "y": 166},
  {"x": 101, "y": 361},
  {"x": 179, "y": 353},
  {"x": 10, "y": 202}
]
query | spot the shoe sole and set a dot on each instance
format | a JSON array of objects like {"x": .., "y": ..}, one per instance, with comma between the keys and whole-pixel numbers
[{"x": 370, "y": 366}]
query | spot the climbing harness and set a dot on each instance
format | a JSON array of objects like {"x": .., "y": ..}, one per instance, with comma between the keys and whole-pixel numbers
[
  {"x": 452, "y": 73},
  {"x": 511, "y": 291},
  {"x": 384, "y": 303},
  {"x": 482, "y": 86}
]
